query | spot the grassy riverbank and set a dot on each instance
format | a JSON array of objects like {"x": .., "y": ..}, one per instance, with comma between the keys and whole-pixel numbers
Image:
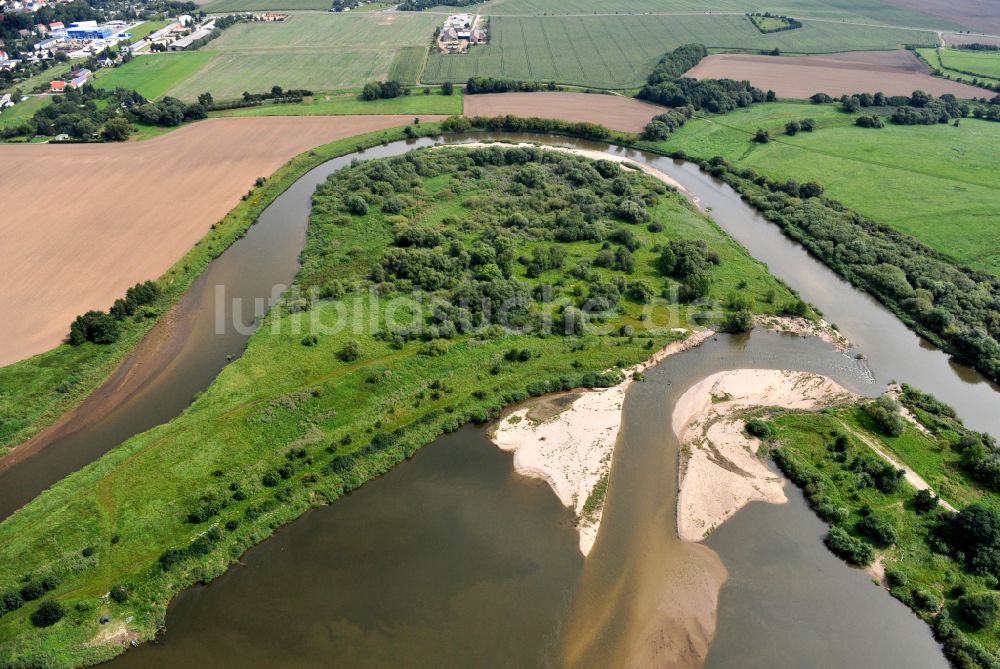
[
  {"x": 823, "y": 453},
  {"x": 311, "y": 411},
  {"x": 36, "y": 392}
]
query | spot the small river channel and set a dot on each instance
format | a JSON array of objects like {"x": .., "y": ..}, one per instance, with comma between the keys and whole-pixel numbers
[{"x": 453, "y": 560}]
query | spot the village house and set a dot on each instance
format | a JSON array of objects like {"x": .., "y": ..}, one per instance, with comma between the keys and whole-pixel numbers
[{"x": 57, "y": 86}]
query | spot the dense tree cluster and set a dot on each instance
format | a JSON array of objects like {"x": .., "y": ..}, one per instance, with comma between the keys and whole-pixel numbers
[
  {"x": 168, "y": 112},
  {"x": 421, "y": 5},
  {"x": 381, "y": 90},
  {"x": 518, "y": 124},
  {"x": 789, "y": 23},
  {"x": 664, "y": 125},
  {"x": 475, "y": 264},
  {"x": 972, "y": 536},
  {"x": 479, "y": 85},
  {"x": 103, "y": 328},
  {"x": 956, "y": 307},
  {"x": 667, "y": 87},
  {"x": 675, "y": 63},
  {"x": 78, "y": 113}
]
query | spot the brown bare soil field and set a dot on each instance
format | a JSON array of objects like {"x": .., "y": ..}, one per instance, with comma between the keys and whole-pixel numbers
[
  {"x": 955, "y": 39},
  {"x": 980, "y": 15},
  {"x": 82, "y": 223},
  {"x": 892, "y": 72},
  {"x": 613, "y": 111}
]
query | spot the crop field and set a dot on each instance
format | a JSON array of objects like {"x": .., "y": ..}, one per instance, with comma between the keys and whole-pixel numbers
[
  {"x": 937, "y": 183},
  {"x": 933, "y": 57},
  {"x": 619, "y": 51},
  {"x": 892, "y": 72},
  {"x": 153, "y": 74},
  {"x": 315, "y": 51},
  {"x": 408, "y": 64},
  {"x": 867, "y": 11}
]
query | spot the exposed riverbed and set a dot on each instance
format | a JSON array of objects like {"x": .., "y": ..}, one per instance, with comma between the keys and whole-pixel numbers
[{"x": 452, "y": 559}]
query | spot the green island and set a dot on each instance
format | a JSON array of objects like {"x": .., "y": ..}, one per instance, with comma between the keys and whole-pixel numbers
[
  {"x": 940, "y": 563},
  {"x": 314, "y": 408}
]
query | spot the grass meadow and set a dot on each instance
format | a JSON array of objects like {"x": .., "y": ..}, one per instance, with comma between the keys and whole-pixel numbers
[
  {"x": 618, "y": 51},
  {"x": 937, "y": 183},
  {"x": 154, "y": 74},
  {"x": 22, "y": 111},
  {"x": 976, "y": 69},
  {"x": 320, "y": 52}
]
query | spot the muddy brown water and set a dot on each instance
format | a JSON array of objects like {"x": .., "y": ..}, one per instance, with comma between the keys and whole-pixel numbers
[{"x": 407, "y": 575}]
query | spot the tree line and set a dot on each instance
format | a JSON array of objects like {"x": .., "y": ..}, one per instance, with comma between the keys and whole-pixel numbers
[{"x": 665, "y": 85}]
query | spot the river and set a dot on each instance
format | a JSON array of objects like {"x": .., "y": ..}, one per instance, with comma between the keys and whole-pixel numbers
[{"x": 485, "y": 584}]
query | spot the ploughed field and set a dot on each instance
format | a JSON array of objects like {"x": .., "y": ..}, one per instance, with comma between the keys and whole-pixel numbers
[
  {"x": 619, "y": 51},
  {"x": 937, "y": 183},
  {"x": 613, "y": 111},
  {"x": 313, "y": 51},
  {"x": 137, "y": 208},
  {"x": 892, "y": 72},
  {"x": 333, "y": 392}
]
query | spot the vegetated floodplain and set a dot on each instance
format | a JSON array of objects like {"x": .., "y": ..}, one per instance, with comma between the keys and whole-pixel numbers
[
  {"x": 153, "y": 74},
  {"x": 334, "y": 391},
  {"x": 935, "y": 182},
  {"x": 866, "y": 11},
  {"x": 618, "y": 51},
  {"x": 933, "y": 561},
  {"x": 338, "y": 104},
  {"x": 320, "y": 52}
]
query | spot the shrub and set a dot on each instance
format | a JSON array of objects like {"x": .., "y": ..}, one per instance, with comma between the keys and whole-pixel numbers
[
  {"x": 885, "y": 412},
  {"x": 737, "y": 321},
  {"x": 357, "y": 205},
  {"x": 119, "y": 593},
  {"x": 979, "y": 610},
  {"x": 762, "y": 136},
  {"x": 350, "y": 352},
  {"x": 759, "y": 428},
  {"x": 49, "y": 613},
  {"x": 878, "y": 529},
  {"x": 855, "y": 551},
  {"x": 271, "y": 479},
  {"x": 896, "y": 578},
  {"x": 32, "y": 591},
  {"x": 11, "y": 601},
  {"x": 925, "y": 600}
]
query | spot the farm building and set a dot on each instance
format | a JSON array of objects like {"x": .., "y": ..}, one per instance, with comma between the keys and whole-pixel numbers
[{"x": 57, "y": 86}]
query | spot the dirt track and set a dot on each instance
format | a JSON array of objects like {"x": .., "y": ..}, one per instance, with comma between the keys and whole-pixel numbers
[
  {"x": 613, "y": 111},
  {"x": 892, "y": 72},
  {"x": 82, "y": 223}
]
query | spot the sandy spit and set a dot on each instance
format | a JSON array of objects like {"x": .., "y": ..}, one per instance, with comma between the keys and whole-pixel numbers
[
  {"x": 720, "y": 470},
  {"x": 572, "y": 450}
]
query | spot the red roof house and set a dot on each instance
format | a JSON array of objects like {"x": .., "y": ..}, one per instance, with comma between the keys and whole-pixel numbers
[{"x": 57, "y": 86}]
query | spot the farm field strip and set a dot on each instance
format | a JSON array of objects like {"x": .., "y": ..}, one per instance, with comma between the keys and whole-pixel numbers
[
  {"x": 861, "y": 10},
  {"x": 892, "y": 72},
  {"x": 617, "y": 51},
  {"x": 316, "y": 51},
  {"x": 983, "y": 63},
  {"x": 154, "y": 74}
]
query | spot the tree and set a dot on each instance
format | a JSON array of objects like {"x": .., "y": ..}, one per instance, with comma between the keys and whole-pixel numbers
[
  {"x": 117, "y": 129},
  {"x": 357, "y": 205},
  {"x": 737, "y": 322},
  {"x": 206, "y": 99},
  {"x": 94, "y": 326},
  {"x": 762, "y": 136},
  {"x": 447, "y": 88},
  {"x": 759, "y": 428},
  {"x": 979, "y": 610},
  {"x": 924, "y": 501},
  {"x": 885, "y": 412},
  {"x": 49, "y": 613},
  {"x": 792, "y": 127}
]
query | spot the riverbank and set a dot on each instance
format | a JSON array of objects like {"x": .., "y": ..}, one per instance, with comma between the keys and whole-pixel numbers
[
  {"x": 720, "y": 470},
  {"x": 572, "y": 450}
]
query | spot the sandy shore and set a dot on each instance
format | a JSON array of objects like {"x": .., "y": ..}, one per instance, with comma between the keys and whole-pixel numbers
[
  {"x": 804, "y": 328},
  {"x": 720, "y": 470},
  {"x": 572, "y": 450}
]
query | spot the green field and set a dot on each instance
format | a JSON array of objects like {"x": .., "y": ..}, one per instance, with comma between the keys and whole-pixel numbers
[
  {"x": 408, "y": 64},
  {"x": 321, "y": 52},
  {"x": 147, "y": 27},
  {"x": 223, "y": 6},
  {"x": 340, "y": 104},
  {"x": 619, "y": 51},
  {"x": 154, "y": 74},
  {"x": 331, "y": 421},
  {"x": 22, "y": 111},
  {"x": 937, "y": 183},
  {"x": 873, "y": 11},
  {"x": 971, "y": 69}
]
